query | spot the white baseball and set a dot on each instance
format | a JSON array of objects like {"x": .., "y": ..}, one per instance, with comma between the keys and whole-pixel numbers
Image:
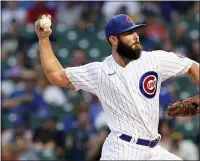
[{"x": 45, "y": 23}]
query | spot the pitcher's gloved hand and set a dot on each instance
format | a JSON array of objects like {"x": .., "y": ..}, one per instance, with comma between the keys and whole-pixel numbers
[{"x": 187, "y": 107}]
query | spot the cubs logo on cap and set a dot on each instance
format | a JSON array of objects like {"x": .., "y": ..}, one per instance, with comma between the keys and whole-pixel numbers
[
  {"x": 148, "y": 84},
  {"x": 128, "y": 19}
]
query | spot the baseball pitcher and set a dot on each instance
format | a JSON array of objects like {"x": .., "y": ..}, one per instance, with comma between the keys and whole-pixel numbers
[{"x": 127, "y": 83}]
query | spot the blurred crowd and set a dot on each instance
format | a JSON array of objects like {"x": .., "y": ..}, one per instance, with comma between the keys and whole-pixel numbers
[{"x": 45, "y": 122}]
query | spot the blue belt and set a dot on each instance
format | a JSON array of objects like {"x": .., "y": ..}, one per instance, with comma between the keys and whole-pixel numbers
[{"x": 143, "y": 142}]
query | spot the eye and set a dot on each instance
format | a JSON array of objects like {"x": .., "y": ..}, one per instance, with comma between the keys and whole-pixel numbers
[
  {"x": 126, "y": 33},
  {"x": 129, "y": 32}
]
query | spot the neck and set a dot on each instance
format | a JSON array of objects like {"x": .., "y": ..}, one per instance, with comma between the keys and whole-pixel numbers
[{"x": 123, "y": 62}]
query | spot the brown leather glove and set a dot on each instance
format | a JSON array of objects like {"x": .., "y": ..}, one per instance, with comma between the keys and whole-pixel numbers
[{"x": 187, "y": 107}]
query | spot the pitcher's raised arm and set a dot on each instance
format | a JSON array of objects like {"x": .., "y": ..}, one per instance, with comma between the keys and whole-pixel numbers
[{"x": 51, "y": 66}]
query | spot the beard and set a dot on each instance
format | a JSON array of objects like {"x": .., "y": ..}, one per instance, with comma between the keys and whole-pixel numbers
[{"x": 128, "y": 52}]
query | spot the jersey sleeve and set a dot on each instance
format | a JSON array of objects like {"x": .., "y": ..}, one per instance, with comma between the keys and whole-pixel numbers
[
  {"x": 85, "y": 77},
  {"x": 172, "y": 64}
]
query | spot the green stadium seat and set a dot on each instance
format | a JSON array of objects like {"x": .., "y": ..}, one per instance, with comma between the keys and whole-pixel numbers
[
  {"x": 63, "y": 56},
  {"x": 46, "y": 155},
  {"x": 98, "y": 50},
  {"x": 185, "y": 86},
  {"x": 32, "y": 55},
  {"x": 60, "y": 113},
  {"x": 27, "y": 31},
  {"x": 6, "y": 123},
  {"x": 34, "y": 121}
]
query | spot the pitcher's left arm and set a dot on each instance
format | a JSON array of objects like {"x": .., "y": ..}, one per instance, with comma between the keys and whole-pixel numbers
[
  {"x": 193, "y": 72},
  {"x": 189, "y": 106}
]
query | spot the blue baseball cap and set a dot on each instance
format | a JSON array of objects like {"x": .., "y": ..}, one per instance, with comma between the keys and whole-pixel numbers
[{"x": 119, "y": 24}]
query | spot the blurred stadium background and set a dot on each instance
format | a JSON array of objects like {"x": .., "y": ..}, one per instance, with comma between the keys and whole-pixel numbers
[{"x": 44, "y": 122}]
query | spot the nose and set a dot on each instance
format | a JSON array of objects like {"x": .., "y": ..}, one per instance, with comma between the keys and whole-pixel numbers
[{"x": 136, "y": 36}]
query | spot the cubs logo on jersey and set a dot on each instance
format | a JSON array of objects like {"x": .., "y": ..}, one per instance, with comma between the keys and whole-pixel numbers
[{"x": 148, "y": 84}]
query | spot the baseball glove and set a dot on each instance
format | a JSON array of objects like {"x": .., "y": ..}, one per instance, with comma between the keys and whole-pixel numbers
[{"x": 183, "y": 108}]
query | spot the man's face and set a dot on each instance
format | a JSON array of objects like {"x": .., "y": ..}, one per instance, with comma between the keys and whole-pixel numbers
[{"x": 129, "y": 45}]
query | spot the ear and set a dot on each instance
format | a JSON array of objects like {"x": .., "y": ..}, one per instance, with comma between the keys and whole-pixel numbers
[{"x": 113, "y": 40}]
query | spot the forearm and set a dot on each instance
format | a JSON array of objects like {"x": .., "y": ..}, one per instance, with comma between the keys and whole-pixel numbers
[
  {"x": 194, "y": 73},
  {"x": 49, "y": 62}
]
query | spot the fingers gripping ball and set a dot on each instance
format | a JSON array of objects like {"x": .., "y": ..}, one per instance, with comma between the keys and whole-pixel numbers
[
  {"x": 187, "y": 107},
  {"x": 45, "y": 23}
]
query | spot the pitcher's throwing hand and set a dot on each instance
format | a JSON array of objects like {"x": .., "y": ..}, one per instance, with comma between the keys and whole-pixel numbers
[{"x": 42, "y": 33}]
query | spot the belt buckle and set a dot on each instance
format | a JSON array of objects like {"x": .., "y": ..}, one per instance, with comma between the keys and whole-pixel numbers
[{"x": 153, "y": 143}]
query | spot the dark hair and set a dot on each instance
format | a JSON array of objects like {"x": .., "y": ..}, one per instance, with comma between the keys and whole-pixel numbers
[{"x": 78, "y": 48}]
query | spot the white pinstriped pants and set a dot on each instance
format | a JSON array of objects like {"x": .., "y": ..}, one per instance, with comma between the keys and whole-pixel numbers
[{"x": 116, "y": 149}]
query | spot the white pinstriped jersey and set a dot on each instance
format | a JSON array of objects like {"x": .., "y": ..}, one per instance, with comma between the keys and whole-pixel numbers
[{"x": 130, "y": 95}]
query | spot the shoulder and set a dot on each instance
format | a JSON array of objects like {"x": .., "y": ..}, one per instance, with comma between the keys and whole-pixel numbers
[
  {"x": 153, "y": 52},
  {"x": 108, "y": 63},
  {"x": 92, "y": 66},
  {"x": 159, "y": 54},
  {"x": 95, "y": 63},
  {"x": 107, "y": 59}
]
